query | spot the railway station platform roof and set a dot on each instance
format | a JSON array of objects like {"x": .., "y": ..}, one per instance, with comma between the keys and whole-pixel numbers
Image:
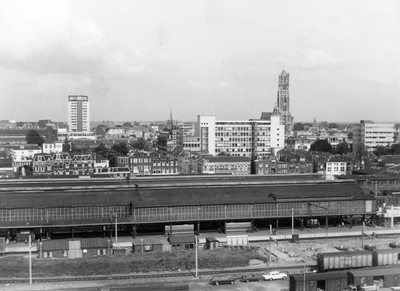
[{"x": 188, "y": 195}]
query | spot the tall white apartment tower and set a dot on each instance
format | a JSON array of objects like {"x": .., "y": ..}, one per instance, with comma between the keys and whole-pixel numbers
[{"x": 78, "y": 113}]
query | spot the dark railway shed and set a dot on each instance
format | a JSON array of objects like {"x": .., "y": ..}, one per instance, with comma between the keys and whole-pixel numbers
[
  {"x": 330, "y": 281},
  {"x": 181, "y": 203}
]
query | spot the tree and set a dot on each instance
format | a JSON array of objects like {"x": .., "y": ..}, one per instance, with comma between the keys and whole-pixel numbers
[
  {"x": 382, "y": 151},
  {"x": 342, "y": 148},
  {"x": 127, "y": 124},
  {"x": 142, "y": 144},
  {"x": 26, "y": 171},
  {"x": 33, "y": 137},
  {"x": 321, "y": 145},
  {"x": 332, "y": 125},
  {"x": 396, "y": 149},
  {"x": 66, "y": 147},
  {"x": 121, "y": 148},
  {"x": 350, "y": 135},
  {"x": 359, "y": 152},
  {"x": 298, "y": 127}
]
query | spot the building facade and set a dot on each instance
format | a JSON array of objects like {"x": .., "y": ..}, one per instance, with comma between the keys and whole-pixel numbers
[
  {"x": 240, "y": 138},
  {"x": 337, "y": 166},
  {"x": 143, "y": 163},
  {"x": 373, "y": 134},
  {"x": 78, "y": 113}
]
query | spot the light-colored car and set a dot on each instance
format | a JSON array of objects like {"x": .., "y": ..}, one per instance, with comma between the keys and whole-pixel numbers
[{"x": 275, "y": 275}]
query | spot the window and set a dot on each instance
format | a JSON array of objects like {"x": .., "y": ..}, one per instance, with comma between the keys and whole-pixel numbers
[
  {"x": 50, "y": 254},
  {"x": 65, "y": 254}
]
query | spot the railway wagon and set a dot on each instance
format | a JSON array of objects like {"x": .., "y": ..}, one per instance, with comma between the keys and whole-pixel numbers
[
  {"x": 385, "y": 257},
  {"x": 183, "y": 229},
  {"x": 238, "y": 227},
  {"x": 328, "y": 281},
  {"x": 387, "y": 276},
  {"x": 344, "y": 260}
]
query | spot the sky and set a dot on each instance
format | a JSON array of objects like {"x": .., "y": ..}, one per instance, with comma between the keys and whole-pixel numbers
[{"x": 139, "y": 60}]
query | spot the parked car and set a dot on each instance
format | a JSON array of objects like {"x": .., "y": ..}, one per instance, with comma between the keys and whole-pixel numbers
[
  {"x": 222, "y": 280},
  {"x": 251, "y": 277},
  {"x": 275, "y": 275}
]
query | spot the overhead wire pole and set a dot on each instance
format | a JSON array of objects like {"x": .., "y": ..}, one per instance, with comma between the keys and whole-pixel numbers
[
  {"x": 30, "y": 260},
  {"x": 270, "y": 234}
]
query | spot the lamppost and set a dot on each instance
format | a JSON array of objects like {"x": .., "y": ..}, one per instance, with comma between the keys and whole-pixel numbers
[
  {"x": 196, "y": 246},
  {"x": 30, "y": 260},
  {"x": 292, "y": 221},
  {"x": 141, "y": 243},
  {"x": 112, "y": 217}
]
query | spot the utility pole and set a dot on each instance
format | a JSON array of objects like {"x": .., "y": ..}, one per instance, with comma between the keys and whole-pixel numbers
[
  {"x": 30, "y": 260},
  {"x": 292, "y": 222},
  {"x": 270, "y": 233},
  {"x": 196, "y": 245},
  {"x": 116, "y": 229}
]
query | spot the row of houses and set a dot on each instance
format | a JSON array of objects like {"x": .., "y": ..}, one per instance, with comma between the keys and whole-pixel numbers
[{"x": 191, "y": 163}]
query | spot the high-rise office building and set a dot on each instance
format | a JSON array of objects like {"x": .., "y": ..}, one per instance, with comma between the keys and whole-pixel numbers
[
  {"x": 78, "y": 113},
  {"x": 283, "y": 101},
  {"x": 240, "y": 138},
  {"x": 373, "y": 134}
]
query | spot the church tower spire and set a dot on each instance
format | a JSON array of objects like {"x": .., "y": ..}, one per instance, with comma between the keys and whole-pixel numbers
[{"x": 283, "y": 101}]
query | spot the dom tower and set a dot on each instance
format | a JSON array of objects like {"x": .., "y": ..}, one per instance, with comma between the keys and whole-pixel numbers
[{"x": 283, "y": 103}]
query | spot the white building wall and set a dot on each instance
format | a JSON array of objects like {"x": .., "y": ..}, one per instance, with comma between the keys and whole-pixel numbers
[
  {"x": 277, "y": 134},
  {"x": 206, "y": 124},
  {"x": 236, "y": 137}
]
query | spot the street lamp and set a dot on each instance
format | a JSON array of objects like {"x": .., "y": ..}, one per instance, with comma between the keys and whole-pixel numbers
[
  {"x": 141, "y": 243},
  {"x": 292, "y": 221},
  {"x": 196, "y": 238}
]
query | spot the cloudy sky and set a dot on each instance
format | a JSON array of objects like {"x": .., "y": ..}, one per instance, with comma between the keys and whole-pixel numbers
[{"x": 137, "y": 60}]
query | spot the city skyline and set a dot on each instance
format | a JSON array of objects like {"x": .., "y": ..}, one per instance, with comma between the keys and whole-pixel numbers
[{"x": 136, "y": 60}]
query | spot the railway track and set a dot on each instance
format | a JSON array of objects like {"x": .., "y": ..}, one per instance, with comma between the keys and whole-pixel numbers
[{"x": 296, "y": 269}]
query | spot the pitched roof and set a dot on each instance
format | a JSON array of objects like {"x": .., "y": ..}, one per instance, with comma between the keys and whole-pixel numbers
[
  {"x": 55, "y": 245},
  {"x": 339, "y": 159},
  {"x": 87, "y": 243},
  {"x": 146, "y": 241},
  {"x": 181, "y": 239}
]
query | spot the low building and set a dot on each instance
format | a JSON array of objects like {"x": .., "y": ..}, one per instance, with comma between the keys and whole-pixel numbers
[
  {"x": 182, "y": 242},
  {"x": 338, "y": 165},
  {"x": 55, "y": 147},
  {"x": 146, "y": 245},
  {"x": 286, "y": 161},
  {"x": 23, "y": 155},
  {"x": 95, "y": 247},
  {"x": 53, "y": 249},
  {"x": 211, "y": 243},
  {"x": 225, "y": 165}
]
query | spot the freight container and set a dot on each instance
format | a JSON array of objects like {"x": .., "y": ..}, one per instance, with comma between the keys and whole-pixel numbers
[{"x": 344, "y": 260}]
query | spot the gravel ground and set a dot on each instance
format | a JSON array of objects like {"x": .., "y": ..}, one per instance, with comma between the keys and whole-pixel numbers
[{"x": 285, "y": 253}]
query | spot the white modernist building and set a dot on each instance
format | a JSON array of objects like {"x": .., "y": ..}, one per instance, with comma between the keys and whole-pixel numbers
[
  {"x": 373, "y": 134},
  {"x": 240, "y": 137},
  {"x": 78, "y": 113}
]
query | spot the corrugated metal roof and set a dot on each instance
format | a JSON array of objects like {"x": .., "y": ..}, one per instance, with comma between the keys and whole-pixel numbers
[
  {"x": 181, "y": 239},
  {"x": 349, "y": 254},
  {"x": 87, "y": 243},
  {"x": 320, "y": 276},
  {"x": 146, "y": 241},
  {"x": 55, "y": 245},
  {"x": 211, "y": 239},
  {"x": 185, "y": 195},
  {"x": 388, "y": 251},
  {"x": 386, "y": 270}
]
